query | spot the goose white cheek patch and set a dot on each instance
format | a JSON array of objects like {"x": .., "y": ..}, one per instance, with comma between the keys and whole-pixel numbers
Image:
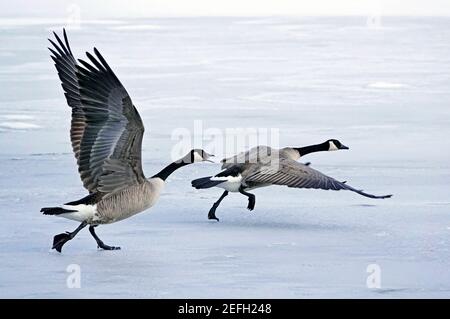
[
  {"x": 332, "y": 147},
  {"x": 197, "y": 157}
]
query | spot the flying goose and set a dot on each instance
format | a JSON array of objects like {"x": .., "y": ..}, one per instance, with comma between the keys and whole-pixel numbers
[
  {"x": 106, "y": 134},
  {"x": 264, "y": 166}
]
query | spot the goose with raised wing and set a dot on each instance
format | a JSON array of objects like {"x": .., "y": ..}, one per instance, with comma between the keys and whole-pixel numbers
[
  {"x": 264, "y": 166},
  {"x": 106, "y": 134}
]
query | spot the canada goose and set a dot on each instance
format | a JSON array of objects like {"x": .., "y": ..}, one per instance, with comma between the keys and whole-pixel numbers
[
  {"x": 263, "y": 166},
  {"x": 106, "y": 134}
]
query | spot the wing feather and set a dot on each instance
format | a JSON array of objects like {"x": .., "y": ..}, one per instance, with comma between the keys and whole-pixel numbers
[
  {"x": 106, "y": 130},
  {"x": 293, "y": 174}
]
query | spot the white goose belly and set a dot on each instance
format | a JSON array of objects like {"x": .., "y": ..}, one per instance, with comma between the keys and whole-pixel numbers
[{"x": 230, "y": 183}]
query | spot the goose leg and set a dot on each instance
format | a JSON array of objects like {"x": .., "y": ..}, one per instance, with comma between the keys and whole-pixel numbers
[
  {"x": 251, "y": 198},
  {"x": 100, "y": 243},
  {"x": 212, "y": 211},
  {"x": 60, "y": 239}
]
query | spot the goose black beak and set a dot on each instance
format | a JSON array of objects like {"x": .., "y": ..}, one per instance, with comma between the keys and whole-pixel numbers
[
  {"x": 208, "y": 156},
  {"x": 343, "y": 147}
]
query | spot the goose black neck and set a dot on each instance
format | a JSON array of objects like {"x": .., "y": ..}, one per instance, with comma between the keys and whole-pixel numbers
[
  {"x": 312, "y": 148},
  {"x": 169, "y": 169}
]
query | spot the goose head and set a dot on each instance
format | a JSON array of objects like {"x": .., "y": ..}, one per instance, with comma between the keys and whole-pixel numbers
[
  {"x": 335, "y": 145},
  {"x": 197, "y": 155}
]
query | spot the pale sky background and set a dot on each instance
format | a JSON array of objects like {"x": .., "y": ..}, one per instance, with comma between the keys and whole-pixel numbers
[{"x": 100, "y": 9}]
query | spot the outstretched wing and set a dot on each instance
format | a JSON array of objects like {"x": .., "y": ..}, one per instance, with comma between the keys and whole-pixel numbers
[
  {"x": 67, "y": 70},
  {"x": 108, "y": 148},
  {"x": 293, "y": 174}
]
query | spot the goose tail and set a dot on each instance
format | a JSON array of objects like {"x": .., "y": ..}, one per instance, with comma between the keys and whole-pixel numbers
[
  {"x": 55, "y": 210},
  {"x": 204, "y": 182}
]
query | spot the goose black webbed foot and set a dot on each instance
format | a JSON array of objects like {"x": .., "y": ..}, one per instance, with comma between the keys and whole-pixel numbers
[
  {"x": 103, "y": 246},
  {"x": 251, "y": 202},
  {"x": 100, "y": 243},
  {"x": 212, "y": 213},
  {"x": 251, "y": 198},
  {"x": 60, "y": 239}
]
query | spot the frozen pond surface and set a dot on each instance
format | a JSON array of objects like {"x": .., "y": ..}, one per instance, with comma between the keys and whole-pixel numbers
[{"x": 384, "y": 92}]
